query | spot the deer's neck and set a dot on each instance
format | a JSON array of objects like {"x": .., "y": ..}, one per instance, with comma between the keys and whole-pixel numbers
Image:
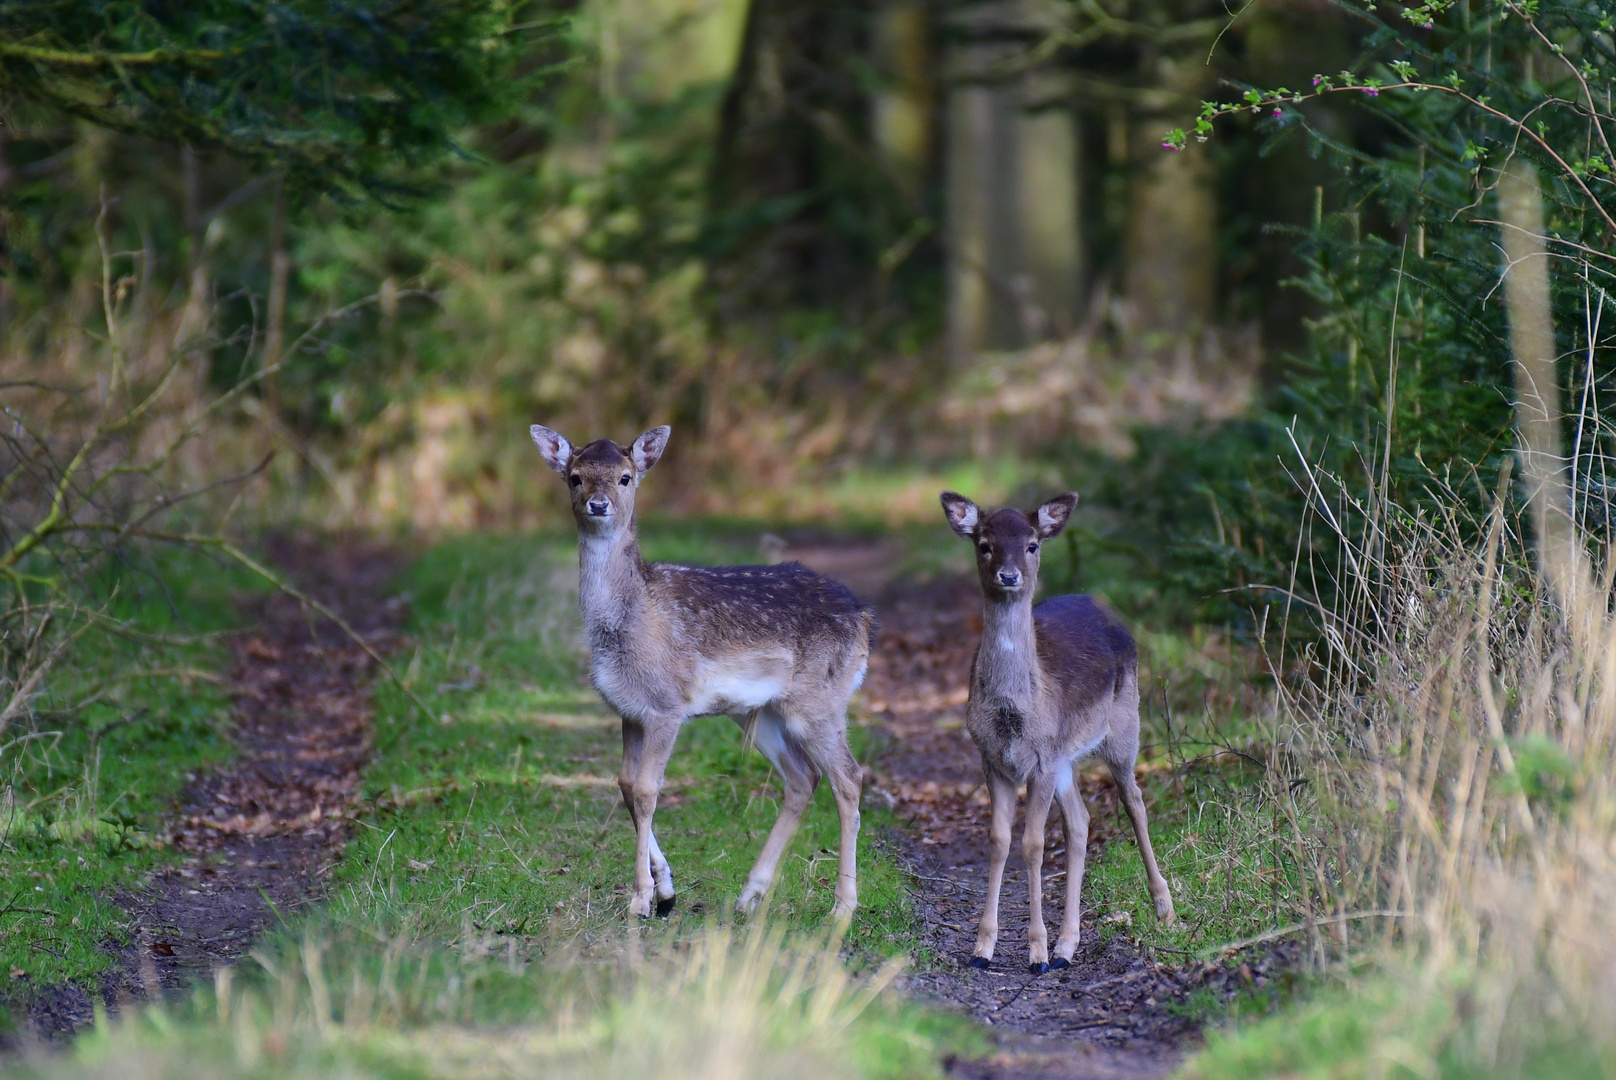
[
  {"x": 1007, "y": 663},
  {"x": 611, "y": 582}
]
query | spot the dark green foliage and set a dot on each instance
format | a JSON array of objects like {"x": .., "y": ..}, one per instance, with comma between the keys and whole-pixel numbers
[
  {"x": 340, "y": 97},
  {"x": 1543, "y": 773},
  {"x": 1404, "y": 388}
]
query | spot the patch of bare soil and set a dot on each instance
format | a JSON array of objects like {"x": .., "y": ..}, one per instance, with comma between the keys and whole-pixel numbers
[
  {"x": 260, "y": 834},
  {"x": 1110, "y": 1015}
]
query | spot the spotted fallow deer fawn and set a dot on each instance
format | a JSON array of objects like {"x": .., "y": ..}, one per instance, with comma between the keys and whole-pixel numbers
[
  {"x": 1050, "y": 685},
  {"x": 778, "y": 648}
]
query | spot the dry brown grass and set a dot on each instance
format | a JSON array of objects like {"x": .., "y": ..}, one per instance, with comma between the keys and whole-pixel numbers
[
  {"x": 726, "y": 1004},
  {"x": 1458, "y": 726}
]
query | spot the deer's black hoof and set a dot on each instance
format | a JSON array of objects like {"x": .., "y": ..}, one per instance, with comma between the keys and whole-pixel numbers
[
  {"x": 1058, "y": 963},
  {"x": 980, "y": 962},
  {"x": 664, "y": 908},
  {"x": 1037, "y": 969}
]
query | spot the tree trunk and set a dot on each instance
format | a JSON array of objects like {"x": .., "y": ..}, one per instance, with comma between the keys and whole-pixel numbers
[
  {"x": 980, "y": 304},
  {"x": 903, "y": 105},
  {"x": 1562, "y": 557},
  {"x": 1014, "y": 222},
  {"x": 280, "y": 265},
  {"x": 194, "y": 319},
  {"x": 796, "y": 193},
  {"x": 732, "y": 112},
  {"x": 1171, "y": 253},
  {"x": 1048, "y": 168}
]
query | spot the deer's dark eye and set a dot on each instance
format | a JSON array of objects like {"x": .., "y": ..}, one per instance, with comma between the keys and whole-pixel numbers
[
  {"x": 984, "y": 549},
  {"x": 575, "y": 480},
  {"x": 1032, "y": 549},
  {"x": 624, "y": 479}
]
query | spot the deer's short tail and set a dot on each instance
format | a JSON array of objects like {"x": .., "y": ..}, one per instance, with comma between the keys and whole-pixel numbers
[{"x": 872, "y": 627}]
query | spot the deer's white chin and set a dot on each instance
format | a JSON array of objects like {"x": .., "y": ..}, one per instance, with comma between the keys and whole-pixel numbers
[{"x": 598, "y": 525}]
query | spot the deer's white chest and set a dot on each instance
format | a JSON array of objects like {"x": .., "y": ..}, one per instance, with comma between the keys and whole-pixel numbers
[{"x": 623, "y": 687}]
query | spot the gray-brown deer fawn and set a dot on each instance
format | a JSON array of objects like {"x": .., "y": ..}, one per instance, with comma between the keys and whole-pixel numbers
[
  {"x": 778, "y": 648},
  {"x": 1050, "y": 685}
]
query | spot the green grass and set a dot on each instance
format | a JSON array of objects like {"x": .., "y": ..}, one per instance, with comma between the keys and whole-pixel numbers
[{"x": 86, "y": 780}]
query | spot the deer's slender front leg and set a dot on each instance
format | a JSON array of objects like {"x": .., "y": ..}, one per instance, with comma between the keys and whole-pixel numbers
[
  {"x": 1075, "y": 818},
  {"x": 1002, "y": 791},
  {"x": 657, "y": 746},
  {"x": 1040, "y": 793},
  {"x": 661, "y": 869}
]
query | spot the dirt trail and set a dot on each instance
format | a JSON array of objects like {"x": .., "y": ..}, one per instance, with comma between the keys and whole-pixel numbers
[
  {"x": 259, "y": 834},
  {"x": 1108, "y": 1016}
]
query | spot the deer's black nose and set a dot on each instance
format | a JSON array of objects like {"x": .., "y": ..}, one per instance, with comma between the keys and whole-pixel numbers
[
  {"x": 1009, "y": 577},
  {"x": 598, "y": 507}
]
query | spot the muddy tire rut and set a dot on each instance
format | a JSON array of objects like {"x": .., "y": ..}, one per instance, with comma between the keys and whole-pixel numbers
[{"x": 260, "y": 834}]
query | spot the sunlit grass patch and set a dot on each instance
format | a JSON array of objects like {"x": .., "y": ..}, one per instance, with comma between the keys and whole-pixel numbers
[
  {"x": 1214, "y": 842},
  {"x": 1208, "y": 772}
]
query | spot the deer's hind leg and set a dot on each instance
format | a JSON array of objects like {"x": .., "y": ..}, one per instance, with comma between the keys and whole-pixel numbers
[
  {"x": 847, "y": 781},
  {"x": 800, "y": 778},
  {"x": 1120, "y": 751},
  {"x": 661, "y": 869}
]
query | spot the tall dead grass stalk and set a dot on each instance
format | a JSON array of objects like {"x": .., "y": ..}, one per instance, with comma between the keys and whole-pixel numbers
[{"x": 1459, "y": 721}]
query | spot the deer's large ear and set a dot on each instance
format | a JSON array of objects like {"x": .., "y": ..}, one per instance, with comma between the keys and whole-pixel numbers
[
  {"x": 647, "y": 449},
  {"x": 1050, "y": 518},
  {"x": 553, "y": 447},
  {"x": 962, "y": 514}
]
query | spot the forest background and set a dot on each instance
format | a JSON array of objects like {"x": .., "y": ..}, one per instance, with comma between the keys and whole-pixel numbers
[{"x": 1237, "y": 271}]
